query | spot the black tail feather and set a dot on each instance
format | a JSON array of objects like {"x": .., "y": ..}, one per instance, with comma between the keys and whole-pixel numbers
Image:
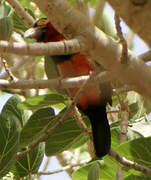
[{"x": 100, "y": 128}]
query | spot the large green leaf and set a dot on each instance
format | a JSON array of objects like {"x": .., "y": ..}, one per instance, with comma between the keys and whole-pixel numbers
[
  {"x": 6, "y": 24},
  {"x": 11, "y": 120},
  {"x": 6, "y": 28},
  {"x": 115, "y": 136},
  {"x": 82, "y": 172},
  {"x": 4, "y": 10},
  {"x": 80, "y": 141},
  {"x": 29, "y": 163},
  {"x": 138, "y": 150},
  {"x": 64, "y": 137},
  {"x": 137, "y": 177},
  {"x": 108, "y": 168},
  {"x": 37, "y": 102},
  {"x": 36, "y": 126}
]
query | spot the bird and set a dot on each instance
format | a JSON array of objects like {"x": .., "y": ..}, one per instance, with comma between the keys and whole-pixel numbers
[{"x": 94, "y": 98}]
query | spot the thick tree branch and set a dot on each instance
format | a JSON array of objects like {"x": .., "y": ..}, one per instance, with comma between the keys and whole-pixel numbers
[
  {"x": 38, "y": 49},
  {"x": 53, "y": 83},
  {"x": 132, "y": 14}
]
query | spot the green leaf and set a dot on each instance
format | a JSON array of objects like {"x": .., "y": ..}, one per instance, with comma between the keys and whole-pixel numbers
[
  {"x": 36, "y": 126},
  {"x": 4, "y": 10},
  {"x": 139, "y": 106},
  {"x": 37, "y": 102},
  {"x": 137, "y": 150},
  {"x": 137, "y": 177},
  {"x": 80, "y": 141},
  {"x": 9, "y": 143},
  {"x": 6, "y": 28},
  {"x": 11, "y": 107},
  {"x": 10, "y": 127},
  {"x": 108, "y": 168},
  {"x": 51, "y": 68},
  {"x": 64, "y": 137},
  {"x": 115, "y": 124},
  {"x": 82, "y": 172},
  {"x": 29, "y": 163},
  {"x": 94, "y": 172},
  {"x": 143, "y": 128},
  {"x": 18, "y": 23},
  {"x": 115, "y": 136}
]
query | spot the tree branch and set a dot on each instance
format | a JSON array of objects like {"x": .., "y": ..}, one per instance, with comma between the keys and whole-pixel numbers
[
  {"x": 130, "y": 164},
  {"x": 38, "y": 49},
  {"x": 53, "y": 83},
  {"x": 132, "y": 14}
]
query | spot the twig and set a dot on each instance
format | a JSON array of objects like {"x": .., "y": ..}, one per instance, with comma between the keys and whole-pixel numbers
[
  {"x": 7, "y": 69},
  {"x": 24, "y": 15},
  {"x": 65, "y": 159},
  {"x": 80, "y": 122},
  {"x": 60, "y": 170},
  {"x": 130, "y": 164},
  {"x": 123, "y": 132},
  {"x": 116, "y": 111},
  {"x": 20, "y": 62},
  {"x": 46, "y": 164},
  {"x": 124, "y": 56}
]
